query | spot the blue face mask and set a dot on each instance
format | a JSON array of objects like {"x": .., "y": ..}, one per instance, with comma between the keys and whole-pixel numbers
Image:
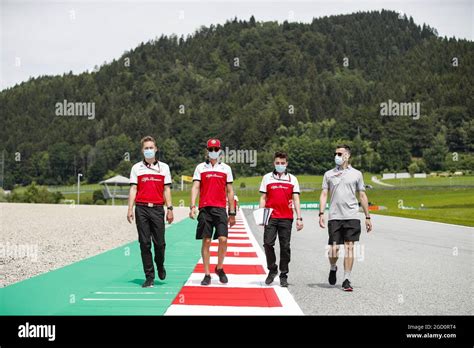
[
  {"x": 339, "y": 161},
  {"x": 280, "y": 168},
  {"x": 149, "y": 153},
  {"x": 214, "y": 154}
]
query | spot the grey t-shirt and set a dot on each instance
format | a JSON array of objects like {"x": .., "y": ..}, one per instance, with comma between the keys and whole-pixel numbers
[{"x": 342, "y": 186}]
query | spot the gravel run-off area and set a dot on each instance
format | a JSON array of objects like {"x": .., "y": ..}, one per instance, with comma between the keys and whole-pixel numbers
[{"x": 37, "y": 238}]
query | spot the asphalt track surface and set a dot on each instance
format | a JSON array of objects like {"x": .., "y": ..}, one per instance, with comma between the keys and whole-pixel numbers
[{"x": 403, "y": 267}]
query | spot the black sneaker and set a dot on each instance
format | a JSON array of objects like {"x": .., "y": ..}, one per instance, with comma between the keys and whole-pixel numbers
[
  {"x": 222, "y": 277},
  {"x": 148, "y": 283},
  {"x": 162, "y": 273},
  {"x": 271, "y": 277},
  {"x": 346, "y": 285},
  {"x": 284, "y": 282},
  {"x": 206, "y": 280},
  {"x": 332, "y": 277}
]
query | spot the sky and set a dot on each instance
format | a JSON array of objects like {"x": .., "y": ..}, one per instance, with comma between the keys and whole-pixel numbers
[{"x": 54, "y": 37}]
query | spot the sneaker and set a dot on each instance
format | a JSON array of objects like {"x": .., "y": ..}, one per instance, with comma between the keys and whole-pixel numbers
[
  {"x": 346, "y": 285},
  {"x": 162, "y": 273},
  {"x": 284, "y": 282},
  {"x": 222, "y": 277},
  {"x": 148, "y": 283},
  {"x": 271, "y": 277},
  {"x": 206, "y": 280},
  {"x": 332, "y": 277}
]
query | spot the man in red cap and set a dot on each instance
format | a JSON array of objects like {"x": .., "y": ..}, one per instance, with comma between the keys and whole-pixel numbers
[{"x": 212, "y": 181}]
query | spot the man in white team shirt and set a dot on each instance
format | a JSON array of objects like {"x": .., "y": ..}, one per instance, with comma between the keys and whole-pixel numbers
[
  {"x": 280, "y": 191},
  {"x": 343, "y": 182},
  {"x": 150, "y": 182}
]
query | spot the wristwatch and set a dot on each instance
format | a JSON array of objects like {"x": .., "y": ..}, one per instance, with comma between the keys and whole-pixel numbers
[
  {"x": 367, "y": 217},
  {"x": 321, "y": 213},
  {"x": 299, "y": 219},
  {"x": 191, "y": 207},
  {"x": 170, "y": 207},
  {"x": 232, "y": 213}
]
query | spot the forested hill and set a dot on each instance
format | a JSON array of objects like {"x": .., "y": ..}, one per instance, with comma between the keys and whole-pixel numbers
[{"x": 255, "y": 85}]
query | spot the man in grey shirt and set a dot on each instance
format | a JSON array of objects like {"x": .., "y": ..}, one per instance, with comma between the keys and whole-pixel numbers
[{"x": 343, "y": 182}]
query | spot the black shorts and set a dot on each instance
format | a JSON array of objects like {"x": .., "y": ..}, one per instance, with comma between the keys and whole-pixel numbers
[
  {"x": 341, "y": 231},
  {"x": 211, "y": 218}
]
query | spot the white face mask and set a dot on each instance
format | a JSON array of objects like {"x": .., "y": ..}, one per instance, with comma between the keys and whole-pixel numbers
[
  {"x": 214, "y": 155},
  {"x": 338, "y": 159}
]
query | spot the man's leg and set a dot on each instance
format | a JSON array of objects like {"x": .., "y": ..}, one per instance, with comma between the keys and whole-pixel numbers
[
  {"x": 269, "y": 238},
  {"x": 333, "y": 254},
  {"x": 284, "y": 237},
  {"x": 348, "y": 258},
  {"x": 334, "y": 231},
  {"x": 351, "y": 235},
  {"x": 144, "y": 238},
  {"x": 206, "y": 255},
  {"x": 221, "y": 252},
  {"x": 157, "y": 228}
]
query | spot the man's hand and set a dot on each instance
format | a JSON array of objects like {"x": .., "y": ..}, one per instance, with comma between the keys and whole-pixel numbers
[
  {"x": 322, "y": 224},
  {"x": 368, "y": 225},
  {"x": 130, "y": 215},
  {"x": 169, "y": 216},
  {"x": 231, "y": 220},
  {"x": 299, "y": 225},
  {"x": 192, "y": 212}
]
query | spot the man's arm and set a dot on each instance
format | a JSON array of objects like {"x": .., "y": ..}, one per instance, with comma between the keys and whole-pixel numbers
[
  {"x": 230, "y": 199},
  {"x": 194, "y": 193},
  {"x": 297, "y": 206},
  {"x": 263, "y": 200},
  {"x": 131, "y": 201},
  {"x": 169, "y": 203},
  {"x": 322, "y": 206},
  {"x": 364, "y": 202}
]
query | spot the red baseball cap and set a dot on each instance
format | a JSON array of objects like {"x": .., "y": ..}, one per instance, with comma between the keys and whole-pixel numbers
[{"x": 213, "y": 143}]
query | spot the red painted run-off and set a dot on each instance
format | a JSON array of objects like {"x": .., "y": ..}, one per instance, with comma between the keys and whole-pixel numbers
[
  {"x": 238, "y": 231},
  {"x": 223, "y": 296},
  {"x": 243, "y": 245},
  {"x": 237, "y": 254},
  {"x": 233, "y": 269}
]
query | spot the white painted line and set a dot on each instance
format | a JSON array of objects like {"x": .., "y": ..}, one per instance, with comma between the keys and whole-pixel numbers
[
  {"x": 125, "y": 299},
  {"x": 235, "y": 261},
  {"x": 229, "y": 311},
  {"x": 130, "y": 293},
  {"x": 234, "y": 249}
]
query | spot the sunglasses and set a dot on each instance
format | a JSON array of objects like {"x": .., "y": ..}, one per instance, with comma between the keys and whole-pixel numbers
[
  {"x": 338, "y": 154},
  {"x": 213, "y": 149}
]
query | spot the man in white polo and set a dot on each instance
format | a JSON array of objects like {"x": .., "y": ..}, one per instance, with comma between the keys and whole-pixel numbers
[
  {"x": 343, "y": 182},
  {"x": 150, "y": 182}
]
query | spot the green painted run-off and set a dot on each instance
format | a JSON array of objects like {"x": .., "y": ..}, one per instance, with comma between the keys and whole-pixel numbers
[{"x": 108, "y": 283}]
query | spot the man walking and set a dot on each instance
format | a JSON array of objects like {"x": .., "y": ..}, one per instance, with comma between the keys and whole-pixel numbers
[
  {"x": 150, "y": 182},
  {"x": 343, "y": 182},
  {"x": 212, "y": 181},
  {"x": 281, "y": 192}
]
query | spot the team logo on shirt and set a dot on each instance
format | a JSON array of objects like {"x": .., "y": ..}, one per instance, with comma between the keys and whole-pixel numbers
[
  {"x": 145, "y": 179},
  {"x": 279, "y": 187},
  {"x": 214, "y": 176}
]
